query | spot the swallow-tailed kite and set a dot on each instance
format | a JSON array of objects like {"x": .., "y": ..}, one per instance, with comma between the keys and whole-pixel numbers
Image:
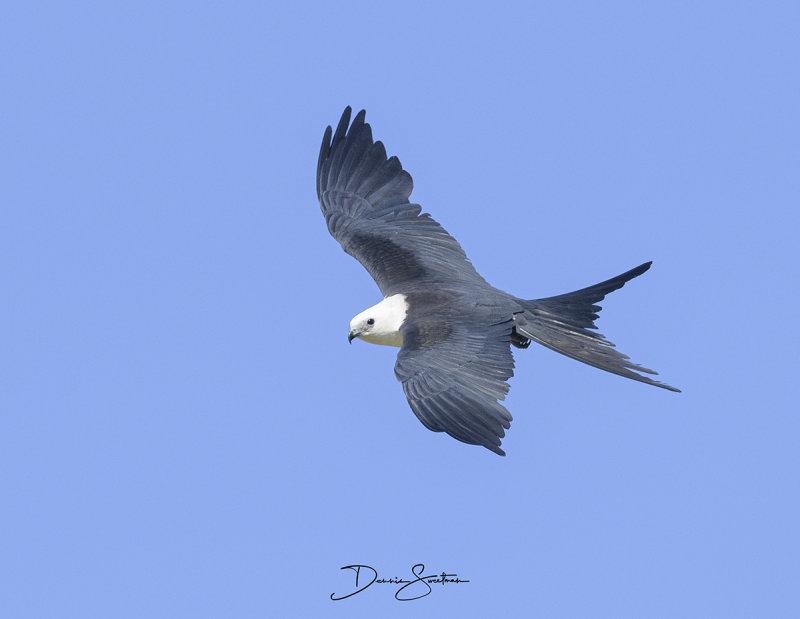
[{"x": 454, "y": 330}]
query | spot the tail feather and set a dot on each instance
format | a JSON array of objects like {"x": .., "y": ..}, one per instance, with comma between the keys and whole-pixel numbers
[{"x": 565, "y": 323}]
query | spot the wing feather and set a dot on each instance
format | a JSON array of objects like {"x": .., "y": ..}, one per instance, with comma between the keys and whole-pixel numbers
[
  {"x": 453, "y": 384},
  {"x": 364, "y": 197}
]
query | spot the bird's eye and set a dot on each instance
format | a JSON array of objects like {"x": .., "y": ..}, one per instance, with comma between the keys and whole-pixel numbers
[{"x": 370, "y": 321}]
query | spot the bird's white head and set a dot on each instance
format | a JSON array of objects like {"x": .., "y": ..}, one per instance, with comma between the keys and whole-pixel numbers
[{"x": 380, "y": 324}]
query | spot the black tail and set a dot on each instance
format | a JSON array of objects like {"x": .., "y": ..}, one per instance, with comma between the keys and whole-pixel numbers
[{"x": 563, "y": 324}]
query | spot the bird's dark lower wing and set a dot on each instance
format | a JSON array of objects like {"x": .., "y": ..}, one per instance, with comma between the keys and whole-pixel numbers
[{"x": 453, "y": 375}]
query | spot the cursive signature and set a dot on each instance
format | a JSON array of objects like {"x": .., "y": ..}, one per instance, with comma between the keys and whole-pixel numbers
[{"x": 409, "y": 590}]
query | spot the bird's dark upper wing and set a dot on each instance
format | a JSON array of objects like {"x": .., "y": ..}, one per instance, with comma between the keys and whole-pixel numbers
[
  {"x": 364, "y": 197},
  {"x": 454, "y": 371}
]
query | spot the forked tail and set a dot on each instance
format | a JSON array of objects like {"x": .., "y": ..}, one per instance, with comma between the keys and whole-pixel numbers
[{"x": 566, "y": 324}]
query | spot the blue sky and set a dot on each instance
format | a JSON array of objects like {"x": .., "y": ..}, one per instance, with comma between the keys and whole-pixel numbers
[{"x": 184, "y": 430}]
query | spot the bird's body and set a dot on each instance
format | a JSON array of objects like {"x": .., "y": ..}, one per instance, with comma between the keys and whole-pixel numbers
[{"x": 454, "y": 329}]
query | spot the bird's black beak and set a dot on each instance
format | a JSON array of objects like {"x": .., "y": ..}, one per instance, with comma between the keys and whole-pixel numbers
[{"x": 353, "y": 335}]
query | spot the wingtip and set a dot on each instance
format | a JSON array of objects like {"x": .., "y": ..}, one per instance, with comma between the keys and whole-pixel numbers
[
  {"x": 341, "y": 128},
  {"x": 345, "y": 126},
  {"x": 359, "y": 119}
]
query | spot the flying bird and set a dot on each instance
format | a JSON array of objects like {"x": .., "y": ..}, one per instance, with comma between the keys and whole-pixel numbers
[{"x": 454, "y": 330}]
